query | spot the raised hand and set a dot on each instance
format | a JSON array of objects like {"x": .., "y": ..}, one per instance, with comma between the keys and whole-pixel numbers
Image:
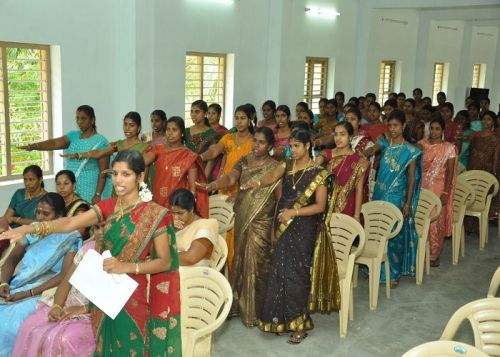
[{"x": 16, "y": 234}]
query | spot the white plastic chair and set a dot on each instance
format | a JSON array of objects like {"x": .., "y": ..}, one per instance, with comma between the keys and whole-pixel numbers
[
  {"x": 206, "y": 299},
  {"x": 463, "y": 197},
  {"x": 484, "y": 317},
  {"x": 382, "y": 221},
  {"x": 444, "y": 349},
  {"x": 344, "y": 230},
  {"x": 222, "y": 211},
  {"x": 219, "y": 254},
  {"x": 428, "y": 210},
  {"x": 485, "y": 187},
  {"x": 494, "y": 284}
]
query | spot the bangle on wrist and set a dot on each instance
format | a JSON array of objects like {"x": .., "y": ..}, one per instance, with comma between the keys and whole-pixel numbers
[
  {"x": 296, "y": 212},
  {"x": 258, "y": 184},
  {"x": 136, "y": 268},
  {"x": 17, "y": 220},
  {"x": 58, "y": 306},
  {"x": 31, "y": 292},
  {"x": 97, "y": 194},
  {"x": 4, "y": 284}
]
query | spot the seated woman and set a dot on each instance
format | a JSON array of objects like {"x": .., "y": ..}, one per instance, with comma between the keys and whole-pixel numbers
[
  {"x": 44, "y": 258},
  {"x": 65, "y": 186},
  {"x": 25, "y": 200},
  {"x": 195, "y": 236},
  {"x": 60, "y": 325}
]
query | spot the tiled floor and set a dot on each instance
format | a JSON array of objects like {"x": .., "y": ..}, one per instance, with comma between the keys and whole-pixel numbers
[{"x": 413, "y": 315}]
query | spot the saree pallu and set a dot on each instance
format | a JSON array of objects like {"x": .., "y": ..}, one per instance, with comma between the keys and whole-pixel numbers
[
  {"x": 347, "y": 170},
  {"x": 149, "y": 323},
  {"x": 171, "y": 173},
  {"x": 199, "y": 143},
  {"x": 289, "y": 281},
  {"x": 392, "y": 186},
  {"x": 69, "y": 337},
  {"x": 254, "y": 213},
  {"x": 74, "y": 206},
  {"x": 41, "y": 262},
  {"x": 450, "y": 132},
  {"x": 434, "y": 167},
  {"x": 23, "y": 207}
]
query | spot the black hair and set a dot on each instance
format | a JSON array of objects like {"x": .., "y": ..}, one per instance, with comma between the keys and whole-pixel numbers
[
  {"x": 332, "y": 101},
  {"x": 493, "y": 116},
  {"x": 304, "y": 105},
  {"x": 441, "y": 94},
  {"x": 427, "y": 107},
  {"x": 347, "y": 126},
  {"x": 268, "y": 134},
  {"x": 356, "y": 112},
  {"x": 201, "y": 104},
  {"x": 300, "y": 124},
  {"x": 486, "y": 99},
  {"x": 371, "y": 95},
  {"x": 160, "y": 113},
  {"x": 402, "y": 94},
  {"x": 35, "y": 170},
  {"x": 216, "y": 107},
  {"x": 376, "y": 105},
  {"x": 87, "y": 109},
  {"x": 304, "y": 136},
  {"x": 393, "y": 94},
  {"x": 411, "y": 101},
  {"x": 450, "y": 106},
  {"x": 269, "y": 103},
  {"x": 418, "y": 90},
  {"x": 253, "y": 115},
  {"x": 354, "y": 100},
  {"x": 135, "y": 117},
  {"x": 322, "y": 100},
  {"x": 340, "y": 94},
  {"x": 284, "y": 108},
  {"x": 392, "y": 103},
  {"x": 67, "y": 173},
  {"x": 56, "y": 202},
  {"x": 180, "y": 124},
  {"x": 182, "y": 198},
  {"x": 427, "y": 98},
  {"x": 134, "y": 160},
  {"x": 245, "y": 108},
  {"x": 310, "y": 114},
  {"x": 438, "y": 120},
  {"x": 475, "y": 105},
  {"x": 400, "y": 116}
]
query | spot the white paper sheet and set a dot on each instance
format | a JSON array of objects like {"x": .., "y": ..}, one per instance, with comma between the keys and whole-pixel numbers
[{"x": 109, "y": 292}]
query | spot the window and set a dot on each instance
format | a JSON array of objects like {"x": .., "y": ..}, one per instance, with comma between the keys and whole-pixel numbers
[
  {"x": 386, "y": 83},
  {"x": 316, "y": 73},
  {"x": 437, "y": 85},
  {"x": 478, "y": 75},
  {"x": 205, "y": 79},
  {"x": 25, "y": 113}
]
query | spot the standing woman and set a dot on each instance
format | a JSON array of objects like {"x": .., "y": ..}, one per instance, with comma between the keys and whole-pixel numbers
[
  {"x": 438, "y": 175},
  {"x": 200, "y": 136},
  {"x": 452, "y": 128},
  {"x": 214, "y": 114},
  {"x": 282, "y": 134},
  {"x": 398, "y": 182},
  {"x": 254, "y": 213},
  {"x": 268, "y": 113},
  {"x": 140, "y": 235},
  {"x": 90, "y": 182},
  {"x": 65, "y": 186},
  {"x": 349, "y": 169},
  {"x": 24, "y": 202},
  {"x": 158, "y": 124},
  {"x": 301, "y": 205},
  {"x": 484, "y": 152},
  {"x": 176, "y": 166},
  {"x": 414, "y": 124}
]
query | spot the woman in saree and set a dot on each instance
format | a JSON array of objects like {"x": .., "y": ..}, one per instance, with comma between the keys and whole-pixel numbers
[
  {"x": 282, "y": 132},
  {"x": 90, "y": 182},
  {"x": 24, "y": 202},
  {"x": 484, "y": 154},
  {"x": 254, "y": 213},
  {"x": 452, "y": 131},
  {"x": 438, "y": 175},
  {"x": 268, "y": 115},
  {"x": 349, "y": 169},
  {"x": 234, "y": 146},
  {"x": 65, "y": 186},
  {"x": 398, "y": 182},
  {"x": 60, "y": 325},
  {"x": 214, "y": 114},
  {"x": 44, "y": 259},
  {"x": 176, "y": 166},
  {"x": 195, "y": 236},
  {"x": 158, "y": 125},
  {"x": 140, "y": 235},
  {"x": 300, "y": 208}
]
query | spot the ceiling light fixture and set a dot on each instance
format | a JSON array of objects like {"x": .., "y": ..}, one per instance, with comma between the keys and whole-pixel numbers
[{"x": 319, "y": 12}]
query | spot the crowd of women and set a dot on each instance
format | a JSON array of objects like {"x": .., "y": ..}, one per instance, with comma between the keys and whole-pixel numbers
[{"x": 286, "y": 177}]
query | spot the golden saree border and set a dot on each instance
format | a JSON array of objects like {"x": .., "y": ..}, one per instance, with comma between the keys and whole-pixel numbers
[
  {"x": 318, "y": 180},
  {"x": 300, "y": 323}
]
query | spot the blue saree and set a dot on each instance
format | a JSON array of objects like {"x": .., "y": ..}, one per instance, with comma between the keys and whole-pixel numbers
[
  {"x": 41, "y": 262},
  {"x": 392, "y": 186}
]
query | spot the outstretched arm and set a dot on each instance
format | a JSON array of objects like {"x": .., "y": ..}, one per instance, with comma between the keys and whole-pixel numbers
[
  {"x": 48, "y": 145},
  {"x": 268, "y": 179},
  {"x": 212, "y": 152}
]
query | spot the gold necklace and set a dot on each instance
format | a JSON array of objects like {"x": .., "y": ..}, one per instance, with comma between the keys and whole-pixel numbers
[
  {"x": 120, "y": 213},
  {"x": 294, "y": 184}
]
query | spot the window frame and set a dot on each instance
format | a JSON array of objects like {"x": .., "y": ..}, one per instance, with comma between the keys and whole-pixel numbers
[
  {"x": 476, "y": 75},
  {"x": 383, "y": 94},
  {"x": 436, "y": 90},
  {"x": 187, "y": 118},
  {"x": 309, "y": 95},
  {"x": 45, "y": 99}
]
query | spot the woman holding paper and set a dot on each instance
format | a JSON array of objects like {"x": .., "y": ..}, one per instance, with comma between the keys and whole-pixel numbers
[{"x": 141, "y": 238}]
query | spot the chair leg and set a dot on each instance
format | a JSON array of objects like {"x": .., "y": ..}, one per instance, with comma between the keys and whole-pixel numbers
[
  {"x": 418, "y": 263},
  {"x": 344, "y": 309},
  {"x": 355, "y": 276},
  {"x": 351, "y": 304},
  {"x": 485, "y": 216},
  {"x": 482, "y": 231},
  {"x": 374, "y": 285},
  {"x": 387, "y": 278},
  {"x": 455, "y": 244},
  {"x": 427, "y": 259},
  {"x": 462, "y": 240}
]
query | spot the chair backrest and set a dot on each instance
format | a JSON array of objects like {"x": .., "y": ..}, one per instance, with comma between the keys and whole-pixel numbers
[
  {"x": 463, "y": 197},
  {"x": 494, "y": 284},
  {"x": 222, "y": 211},
  {"x": 344, "y": 230},
  {"x": 444, "y": 349},
  {"x": 219, "y": 254},
  {"x": 485, "y": 186},
  {"x": 483, "y": 315},
  {"x": 206, "y": 298},
  {"x": 381, "y": 219},
  {"x": 428, "y": 209}
]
